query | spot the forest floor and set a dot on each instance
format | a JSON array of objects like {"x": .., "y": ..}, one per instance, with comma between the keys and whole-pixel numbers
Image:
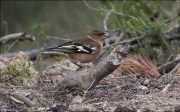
[{"x": 114, "y": 93}]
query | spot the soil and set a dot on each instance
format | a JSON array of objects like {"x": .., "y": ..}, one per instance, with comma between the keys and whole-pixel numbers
[
  {"x": 133, "y": 93},
  {"x": 125, "y": 94}
]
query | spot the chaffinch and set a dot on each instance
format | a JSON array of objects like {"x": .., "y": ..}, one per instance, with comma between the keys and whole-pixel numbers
[{"x": 83, "y": 50}]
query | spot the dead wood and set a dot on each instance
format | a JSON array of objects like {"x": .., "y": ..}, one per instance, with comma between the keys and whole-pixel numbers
[
  {"x": 18, "y": 96},
  {"x": 33, "y": 54},
  {"x": 90, "y": 77},
  {"x": 16, "y": 36}
]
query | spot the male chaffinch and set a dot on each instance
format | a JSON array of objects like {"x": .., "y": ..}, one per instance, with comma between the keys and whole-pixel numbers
[{"x": 83, "y": 50}]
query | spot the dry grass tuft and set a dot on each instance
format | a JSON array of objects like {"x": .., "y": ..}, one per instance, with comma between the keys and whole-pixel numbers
[{"x": 139, "y": 64}]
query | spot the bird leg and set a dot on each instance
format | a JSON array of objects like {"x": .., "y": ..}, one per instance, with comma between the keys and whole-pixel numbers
[
  {"x": 83, "y": 65},
  {"x": 78, "y": 64}
]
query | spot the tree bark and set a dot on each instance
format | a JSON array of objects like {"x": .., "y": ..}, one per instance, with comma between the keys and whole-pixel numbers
[{"x": 89, "y": 78}]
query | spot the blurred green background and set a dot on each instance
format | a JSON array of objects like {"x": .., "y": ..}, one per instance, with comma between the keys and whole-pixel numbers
[
  {"x": 60, "y": 18},
  {"x": 43, "y": 18}
]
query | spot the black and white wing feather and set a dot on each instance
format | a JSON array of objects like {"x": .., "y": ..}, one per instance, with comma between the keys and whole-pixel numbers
[{"x": 73, "y": 47}]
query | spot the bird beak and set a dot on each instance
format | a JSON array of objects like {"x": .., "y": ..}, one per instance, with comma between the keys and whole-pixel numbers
[{"x": 105, "y": 36}]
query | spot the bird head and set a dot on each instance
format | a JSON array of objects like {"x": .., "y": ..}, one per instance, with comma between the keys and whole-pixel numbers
[{"x": 98, "y": 35}]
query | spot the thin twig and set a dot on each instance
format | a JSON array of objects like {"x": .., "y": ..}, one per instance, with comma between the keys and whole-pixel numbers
[
  {"x": 105, "y": 26},
  {"x": 175, "y": 68},
  {"x": 119, "y": 37},
  {"x": 60, "y": 38},
  {"x": 165, "y": 42},
  {"x": 167, "y": 21},
  {"x": 143, "y": 22},
  {"x": 12, "y": 45},
  {"x": 121, "y": 14},
  {"x": 129, "y": 40},
  {"x": 82, "y": 21},
  {"x": 138, "y": 41},
  {"x": 105, "y": 20},
  {"x": 168, "y": 63},
  {"x": 107, "y": 15},
  {"x": 115, "y": 30},
  {"x": 88, "y": 88},
  {"x": 175, "y": 29}
]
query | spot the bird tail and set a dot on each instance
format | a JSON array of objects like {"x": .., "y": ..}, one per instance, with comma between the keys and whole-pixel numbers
[
  {"x": 52, "y": 48},
  {"x": 61, "y": 49}
]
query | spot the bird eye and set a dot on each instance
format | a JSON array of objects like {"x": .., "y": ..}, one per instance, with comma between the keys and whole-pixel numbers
[{"x": 98, "y": 34}]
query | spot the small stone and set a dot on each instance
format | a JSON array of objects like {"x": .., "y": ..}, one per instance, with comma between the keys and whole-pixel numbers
[{"x": 77, "y": 99}]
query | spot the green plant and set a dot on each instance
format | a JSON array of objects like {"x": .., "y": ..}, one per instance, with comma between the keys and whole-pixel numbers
[{"x": 15, "y": 75}]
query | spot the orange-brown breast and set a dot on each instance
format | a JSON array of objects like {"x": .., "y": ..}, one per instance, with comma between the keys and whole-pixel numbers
[{"x": 85, "y": 58}]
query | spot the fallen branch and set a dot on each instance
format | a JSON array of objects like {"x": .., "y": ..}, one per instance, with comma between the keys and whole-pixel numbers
[
  {"x": 16, "y": 36},
  {"x": 15, "y": 100},
  {"x": 23, "y": 99},
  {"x": 18, "y": 97},
  {"x": 33, "y": 54},
  {"x": 83, "y": 78}
]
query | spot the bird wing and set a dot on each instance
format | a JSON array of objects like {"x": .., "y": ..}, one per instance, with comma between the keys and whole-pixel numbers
[
  {"x": 89, "y": 43},
  {"x": 72, "y": 47},
  {"x": 82, "y": 45}
]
